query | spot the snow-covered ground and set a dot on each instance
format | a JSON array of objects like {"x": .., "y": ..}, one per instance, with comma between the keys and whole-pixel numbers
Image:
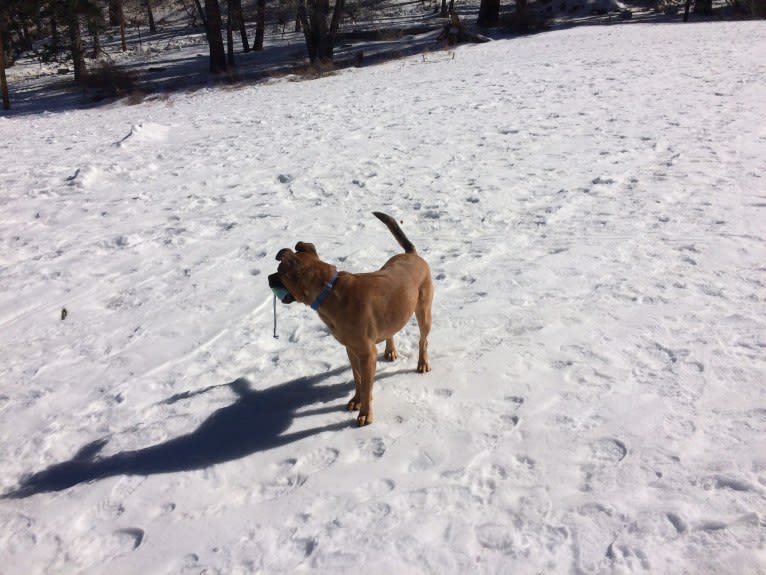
[{"x": 592, "y": 204}]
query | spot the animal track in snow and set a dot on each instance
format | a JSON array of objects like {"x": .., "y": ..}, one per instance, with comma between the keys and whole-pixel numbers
[
  {"x": 422, "y": 462},
  {"x": 293, "y": 473},
  {"x": 608, "y": 451},
  {"x": 514, "y": 403},
  {"x": 317, "y": 460},
  {"x": 512, "y": 420},
  {"x": 375, "y": 488},
  {"x": 371, "y": 512},
  {"x": 496, "y": 537},
  {"x": 624, "y": 554},
  {"x": 375, "y": 447},
  {"x": 604, "y": 455},
  {"x": 724, "y": 482},
  {"x": 678, "y": 524},
  {"x": 130, "y": 537},
  {"x": 677, "y": 426}
]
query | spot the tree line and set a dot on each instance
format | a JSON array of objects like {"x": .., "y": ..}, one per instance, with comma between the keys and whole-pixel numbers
[{"x": 58, "y": 29}]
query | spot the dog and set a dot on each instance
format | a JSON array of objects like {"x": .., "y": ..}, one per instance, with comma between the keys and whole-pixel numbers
[{"x": 364, "y": 309}]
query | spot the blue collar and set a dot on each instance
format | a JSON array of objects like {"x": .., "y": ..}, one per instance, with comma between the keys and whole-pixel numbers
[{"x": 325, "y": 292}]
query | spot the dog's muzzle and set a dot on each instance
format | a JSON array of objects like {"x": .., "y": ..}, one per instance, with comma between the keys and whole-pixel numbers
[{"x": 279, "y": 289}]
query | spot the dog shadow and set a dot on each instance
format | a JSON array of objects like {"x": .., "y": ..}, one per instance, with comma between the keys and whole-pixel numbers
[{"x": 256, "y": 421}]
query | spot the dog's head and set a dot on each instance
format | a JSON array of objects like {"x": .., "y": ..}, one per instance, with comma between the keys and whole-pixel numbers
[{"x": 299, "y": 275}]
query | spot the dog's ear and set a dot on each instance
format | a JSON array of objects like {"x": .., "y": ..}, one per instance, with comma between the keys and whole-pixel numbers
[
  {"x": 306, "y": 247},
  {"x": 284, "y": 253}
]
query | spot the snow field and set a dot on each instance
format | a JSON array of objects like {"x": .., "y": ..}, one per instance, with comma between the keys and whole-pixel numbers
[{"x": 591, "y": 204}]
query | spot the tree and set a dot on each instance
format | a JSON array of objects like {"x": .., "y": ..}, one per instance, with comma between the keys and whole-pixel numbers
[
  {"x": 489, "y": 13},
  {"x": 703, "y": 7},
  {"x": 90, "y": 12},
  {"x": 239, "y": 21},
  {"x": 150, "y": 14},
  {"x": 214, "y": 36},
  {"x": 229, "y": 34},
  {"x": 121, "y": 18},
  {"x": 3, "y": 80},
  {"x": 260, "y": 24},
  {"x": 115, "y": 7},
  {"x": 34, "y": 19},
  {"x": 75, "y": 40},
  {"x": 319, "y": 34}
]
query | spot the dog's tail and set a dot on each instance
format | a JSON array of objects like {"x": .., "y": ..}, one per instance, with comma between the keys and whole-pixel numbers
[{"x": 397, "y": 231}]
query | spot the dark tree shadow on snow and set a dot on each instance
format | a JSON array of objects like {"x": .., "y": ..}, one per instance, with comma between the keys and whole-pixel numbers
[{"x": 256, "y": 421}]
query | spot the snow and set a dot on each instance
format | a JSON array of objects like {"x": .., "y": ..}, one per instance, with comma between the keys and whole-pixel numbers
[{"x": 591, "y": 203}]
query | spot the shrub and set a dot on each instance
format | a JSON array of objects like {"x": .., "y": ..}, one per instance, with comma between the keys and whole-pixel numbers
[{"x": 109, "y": 81}]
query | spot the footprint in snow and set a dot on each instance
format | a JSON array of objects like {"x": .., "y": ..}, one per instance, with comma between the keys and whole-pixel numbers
[
  {"x": 513, "y": 403},
  {"x": 130, "y": 537},
  {"x": 608, "y": 451},
  {"x": 373, "y": 448},
  {"x": 605, "y": 455},
  {"x": 293, "y": 473}
]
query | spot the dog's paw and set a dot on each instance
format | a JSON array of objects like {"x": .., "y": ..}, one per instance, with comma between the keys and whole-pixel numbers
[
  {"x": 364, "y": 419},
  {"x": 390, "y": 355},
  {"x": 354, "y": 404},
  {"x": 423, "y": 367}
]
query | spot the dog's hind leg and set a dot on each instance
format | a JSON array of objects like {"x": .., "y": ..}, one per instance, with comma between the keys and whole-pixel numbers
[{"x": 423, "y": 315}]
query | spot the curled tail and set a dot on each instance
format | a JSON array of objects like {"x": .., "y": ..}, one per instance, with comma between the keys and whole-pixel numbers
[{"x": 397, "y": 231}]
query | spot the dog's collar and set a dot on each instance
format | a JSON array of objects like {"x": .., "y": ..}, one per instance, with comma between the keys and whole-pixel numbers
[{"x": 325, "y": 292}]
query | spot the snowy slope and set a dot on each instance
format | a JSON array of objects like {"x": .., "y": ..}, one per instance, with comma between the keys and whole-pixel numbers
[{"x": 591, "y": 202}]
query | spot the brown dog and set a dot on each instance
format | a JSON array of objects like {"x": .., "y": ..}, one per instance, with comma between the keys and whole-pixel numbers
[{"x": 364, "y": 309}]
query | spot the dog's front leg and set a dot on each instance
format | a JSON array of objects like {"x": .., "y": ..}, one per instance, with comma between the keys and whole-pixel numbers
[
  {"x": 366, "y": 361},
  {"x": 390, "y": 352}
]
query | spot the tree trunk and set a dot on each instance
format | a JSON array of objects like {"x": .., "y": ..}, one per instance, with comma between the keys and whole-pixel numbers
[
  {"x": 3, "y": 80},
  {"x": 122, "y": 29},
  {"x": 321, "y": 31},
  {"x": 150, "y": 14},
  {"x": 26, "y": 37},
  {"x": 703, "y": 7},
  {"x": 260, "y": 25},
  {"x": 304, "y": 22},
  {"x": 522, "y": 16},
  {"x": 336, "y": 16},
  {"x": 115, "y": 9},
  {"x": 240, "y": 22},
  {"x": 96, "y": 42},
  {"x": 75, "y": 38},
  {"x": 489, "y": 13},
  {"x": 229, "y": 34},
  {"x": 202, "y": 15},
  {"x": 214, "y": 37},
  {"x": 320, "y": 37},
  {"x": 55, "y": 40}
]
